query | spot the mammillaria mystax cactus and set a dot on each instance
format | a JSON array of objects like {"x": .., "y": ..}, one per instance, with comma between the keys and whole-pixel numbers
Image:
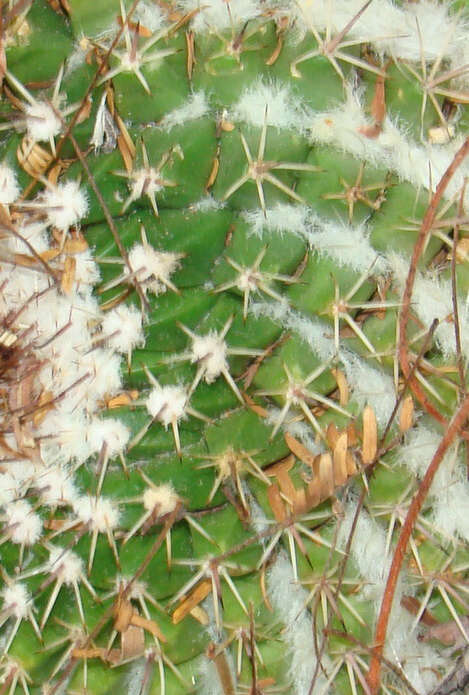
[{"x": 233, "y": 347}]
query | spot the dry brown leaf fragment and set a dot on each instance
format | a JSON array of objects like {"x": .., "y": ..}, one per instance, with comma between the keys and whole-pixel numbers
[
  {"x": 88, "y": 653},
  {"x": 282, "y": 25},
  {"x": 189, "y": 602},
  {"x": 135, "y": 27},
  {"x": 313, "y": 493},
  {"x": 406, "y": 416},
  {"x": 462, "y": 250},
  {"x": 173, "y": 15},
  {"x": 300, "y": 451},
  {"x": 125, "y": 615},
  {"x": 377, "y": 108},
  {"x": 258, "y": 409},
  {"x": 352, "y": 434},
  {"x": 226, "y": 126},
  {"x": 340, "y": 460},
  {"x": 448, "y": 633},
  {"x": 199, "y": 614},
  {"x": 75, "y": 244},
  {"x": 276, "y": 503},
  {"x": 122, "y": 399},
  {"x": 190, "y": 60},
  {"x": 370, "y": 436},
  {"x": 61, "y": 7},
  {"x": 68, "y": 275},
  {"x": 22, "y": 259},
  {"x": 45, "y": 404},
  {"x": 352, "y": 467},
  {"x": 223, "y": 670},
  {"x": 213, "y": 171},
  {"x": 182, "y": 21},
  {"x": 84, "y": 113},
  {"x": 33, "y": 158},
  {"x": 342, "y": 385},
  {"x": 332, "y": 434},
  {"x": 412, "y": 604},
  {"x": 132, "y": 643},
  {"x": 124, "y": 142},
  {"x": 54, "y": 172},
  {"x": 324, "y": 473},
  {"x": 286, "y": 486}
]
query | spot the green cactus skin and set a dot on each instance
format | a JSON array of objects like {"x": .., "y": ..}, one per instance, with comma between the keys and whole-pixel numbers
[{"x": 207, "y": 219}]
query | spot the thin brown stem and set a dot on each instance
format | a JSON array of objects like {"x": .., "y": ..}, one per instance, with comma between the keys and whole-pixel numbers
[
  {"x": 425, "y": 230},
  {"x": 107, "y": 215},
  {"x": 454, "y": 291},
  {"x": 452, "y": 431}
]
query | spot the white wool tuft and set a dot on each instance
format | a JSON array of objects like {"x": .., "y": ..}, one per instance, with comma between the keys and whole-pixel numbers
[
  {"x": 104, "y": 376},
  {"x": 63, "y": 437},
  {"x": 137, "y": 588},
  {"x": 25, "y": 525},
  {"x": 302, "y": 431},
  {"x": 167, "y": 403},
  {"x": 8, "y": 489},
  {"x": 316, "y": 334},
  {"x": 62, "y": 325},
  {"x": 206, "y": 204},
  {"x": 123, "y": 326},
  {"x": 214, "y": 14},
  {"x": 154, "y": 268},
  {"x": 41, "y": 121},
  {"x": 450, "y": 505},
  {"x": 421, "y": 165},
  {"x": 110, "y": 431},
  {"x": 289, "y": 600},
  {"x": 368, "y": 549},
  {"x": 22, "y": 470},
  {"x": 195, "y": 107},
  {"x": 66, "y": 565},
  {"x": 395, "y": 28},
  {"x": 418, "y": 659},
  {"x": 284, "y": 110},
  {"x": 283, "y": 217},
  {"x": 162, "y": 498},
  {"x": 66, "y": 204},
  {"x": 346, "y": 244},
  {"x": 432, "y": 298},
  {"x": 418, "y": 449},
  {"x": 370, "y": 386},
  {"x": 275, "y": 310},
  {"x": 56, "y": 486},
  {"x": 208, "y": 680},
  {"x": 101, "y": 514},
  {"x": 340, "y": 127},
  {"x": 145, "y": 182},
  {"x": 77, "y": 57},
  {"x": 9, "y": 189},
  {"x": 16, "y": 600},
  {"x": 136, "y": 676},
  {"x": 86, "y": 271},
  {"x": 32, "y": 232},
  {"x": 449, "y": 492},
  {"x": 210, "y": 351},
  {"x": 149, "y": 15}
]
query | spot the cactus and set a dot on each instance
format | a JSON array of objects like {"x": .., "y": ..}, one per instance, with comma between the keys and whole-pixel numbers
[{"x": 233, "y": 345}]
